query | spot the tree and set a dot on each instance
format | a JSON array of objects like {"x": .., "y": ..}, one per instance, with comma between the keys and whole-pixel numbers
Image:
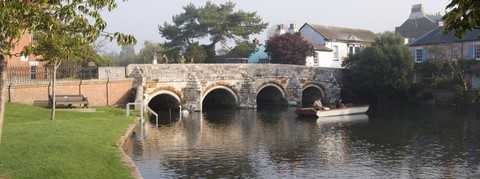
[
  {"x": 195, "y": 53},
  {"x": 81, "y": 16},
  {"x": 381, "y": 72},
  {"x": 57, "y": 48},
  {"x": 289, "y": 49},
  {"x": 462, "y": 16},
  {"x": 242, "y": 50},
  {"x": 149, "y": 50},
  {"x": 126, "y": 56},
  {"x": 216, "y": 22}
]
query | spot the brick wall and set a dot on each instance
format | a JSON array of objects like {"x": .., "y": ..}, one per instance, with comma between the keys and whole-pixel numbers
[
  {"x": 20, "y": 45},
  {"x": 98, "y": 92}
]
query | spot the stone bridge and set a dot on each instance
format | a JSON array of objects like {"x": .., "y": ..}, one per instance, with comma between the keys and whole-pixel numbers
[{"x": 191, "y": 86}]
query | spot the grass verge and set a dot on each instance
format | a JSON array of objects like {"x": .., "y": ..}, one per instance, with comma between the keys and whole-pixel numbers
[{"x": 75, "y": 145}]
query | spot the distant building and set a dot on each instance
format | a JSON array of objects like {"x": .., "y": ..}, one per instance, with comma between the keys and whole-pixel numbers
[
  {"x": 259, "y": 56},
  {"x": 21, "y": 66},
  {"x": 334, "y": 44},
  {"x": 438, "y": 45},
  {"x": 17, "y": 58},
  {"x": 418, "y": 24},
  {"x": 281, "y": 29}
]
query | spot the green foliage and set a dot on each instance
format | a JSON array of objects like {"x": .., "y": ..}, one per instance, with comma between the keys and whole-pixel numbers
[
  {"x": 76, "y": 145},
  {"x": 195, "y": 53},
  {"x": 78, "y": 17},
  {"x": 148, "y": 51},
  {"x": 104, "y": 60},
  {"x": 444, "y": 74},
  {"x": 462, "y": 16},
  {"x": 56, "y": 47},
  {"x": 217, "y": 22},
  {"x": 242, "y": 50},
  {"x": 289, "y": 49},
  {"x": 382, "y": 71}
]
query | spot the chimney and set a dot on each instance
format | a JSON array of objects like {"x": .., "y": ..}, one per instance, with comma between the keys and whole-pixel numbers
[
  {"x": 417, "y": 12},
  {"x": 292, "y": 29},
  {"x": 280, "y": 29}
]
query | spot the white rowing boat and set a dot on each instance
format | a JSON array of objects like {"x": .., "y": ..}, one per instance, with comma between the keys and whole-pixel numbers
[
  {"x": 348, "y": 119},
  {"x": 343, "y": 111}
]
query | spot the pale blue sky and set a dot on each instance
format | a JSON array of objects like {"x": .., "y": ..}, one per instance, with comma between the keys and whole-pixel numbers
[{"x": 142, "y": 17}]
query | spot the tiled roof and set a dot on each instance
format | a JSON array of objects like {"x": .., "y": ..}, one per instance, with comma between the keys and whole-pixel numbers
[
  {"x": 438, "y": 36},
  {"x": 344, "y": 34},
  {"x": 415, "y": 28},
  {"x": 322, "y": 48}
]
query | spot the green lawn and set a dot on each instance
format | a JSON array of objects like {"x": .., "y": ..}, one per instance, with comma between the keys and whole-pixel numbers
[{"x": 76, "y": 145}]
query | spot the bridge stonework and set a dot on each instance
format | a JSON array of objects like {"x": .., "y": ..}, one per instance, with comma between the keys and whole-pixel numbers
[{"x": 190, "y": 83}]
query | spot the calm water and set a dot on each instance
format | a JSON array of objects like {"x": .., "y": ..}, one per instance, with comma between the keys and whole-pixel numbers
[{"x": 426, "y": 143}]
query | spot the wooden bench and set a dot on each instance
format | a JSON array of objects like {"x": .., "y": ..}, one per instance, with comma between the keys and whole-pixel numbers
[{"x": 70, "y": 100}]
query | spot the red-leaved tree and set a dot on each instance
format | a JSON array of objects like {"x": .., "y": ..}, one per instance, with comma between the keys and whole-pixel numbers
[{"x": 288, "y": 49}]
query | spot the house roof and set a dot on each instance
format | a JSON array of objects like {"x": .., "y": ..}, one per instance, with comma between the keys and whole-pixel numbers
[
  {"x": 343, "y": 34},
  {"x": 321, "y": 48},
  {"x": 415, "y": 28},
  {"x": 438, "y": 36}
]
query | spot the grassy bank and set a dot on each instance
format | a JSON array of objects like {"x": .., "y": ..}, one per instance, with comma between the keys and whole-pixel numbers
[{"x": 76, "y": 145}]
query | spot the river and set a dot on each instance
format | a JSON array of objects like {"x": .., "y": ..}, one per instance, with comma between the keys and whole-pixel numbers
[{"x": 412, "y": 143}]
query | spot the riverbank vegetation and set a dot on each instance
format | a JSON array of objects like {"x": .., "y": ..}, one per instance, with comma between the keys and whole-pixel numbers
[
  {"x": 289, "y": 49},
  {"x": 384, "y": 74},
  {"x": 75, "y": 145},
  {"x": 380, "y": 73}
]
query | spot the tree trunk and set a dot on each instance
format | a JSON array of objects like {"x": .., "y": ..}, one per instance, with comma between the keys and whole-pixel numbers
[
  {"x": 54, "y": 100},
  {"x": 2, "y": 92}
]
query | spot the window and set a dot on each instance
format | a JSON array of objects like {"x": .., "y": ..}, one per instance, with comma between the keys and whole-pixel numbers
[
  {"x": 419, "y": 55},
  {"x": 351, "y": 50},
  {"x": 477, "y": 52},
  {"x": 33, "y": 72},
  {"x": 335, "y": 51},
  {"x": 315, "y": 59}
]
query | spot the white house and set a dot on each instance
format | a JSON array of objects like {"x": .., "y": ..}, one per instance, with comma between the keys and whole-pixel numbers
[{"x": 334, "y": 44}]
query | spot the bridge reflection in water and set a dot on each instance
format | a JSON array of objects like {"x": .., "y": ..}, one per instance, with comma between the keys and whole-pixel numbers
[{"x": 275, "y": 144}]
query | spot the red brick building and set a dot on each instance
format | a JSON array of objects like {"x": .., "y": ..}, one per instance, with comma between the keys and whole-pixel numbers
[{"x": 24, "y": 67}]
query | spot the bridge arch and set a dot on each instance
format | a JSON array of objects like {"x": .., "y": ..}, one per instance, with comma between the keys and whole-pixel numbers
[
  {"x": 219, "y": 97},
  {"x": 165, "y": 103},
  {"x": 270, "y": 94},
  {"x": 312, "y": 92}
]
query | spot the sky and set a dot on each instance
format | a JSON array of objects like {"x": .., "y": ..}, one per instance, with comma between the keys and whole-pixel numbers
[{"x": 141, "y": 18}]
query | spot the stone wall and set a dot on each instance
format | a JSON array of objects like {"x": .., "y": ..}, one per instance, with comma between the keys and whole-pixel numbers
[
  {"x": 192, "y": 82},
  {"x": 112, "y": 73},
  {"x": 98, "y": 92}
]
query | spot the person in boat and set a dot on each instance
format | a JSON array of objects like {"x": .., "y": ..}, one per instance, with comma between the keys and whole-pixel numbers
[
  {"x": 317, "y": 105},
  {"x": 340, "y": 104}
]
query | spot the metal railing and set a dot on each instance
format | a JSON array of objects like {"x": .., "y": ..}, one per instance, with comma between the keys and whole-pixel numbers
[
  {"x": 40, "y": 72},
  {"x": 153, "y": 113},
  {"x": 142, "y": 119}
]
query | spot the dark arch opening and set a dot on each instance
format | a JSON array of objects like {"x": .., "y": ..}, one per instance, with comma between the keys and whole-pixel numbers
[
  {"x": 310, "y": 95},
  {"x": 166, "y": 106},
  {"x": 219, "y": 99},
  {"x": 270, "y": 97}
]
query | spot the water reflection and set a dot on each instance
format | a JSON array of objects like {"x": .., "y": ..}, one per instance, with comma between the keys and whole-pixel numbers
[{"x": 430, "y": 143}]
